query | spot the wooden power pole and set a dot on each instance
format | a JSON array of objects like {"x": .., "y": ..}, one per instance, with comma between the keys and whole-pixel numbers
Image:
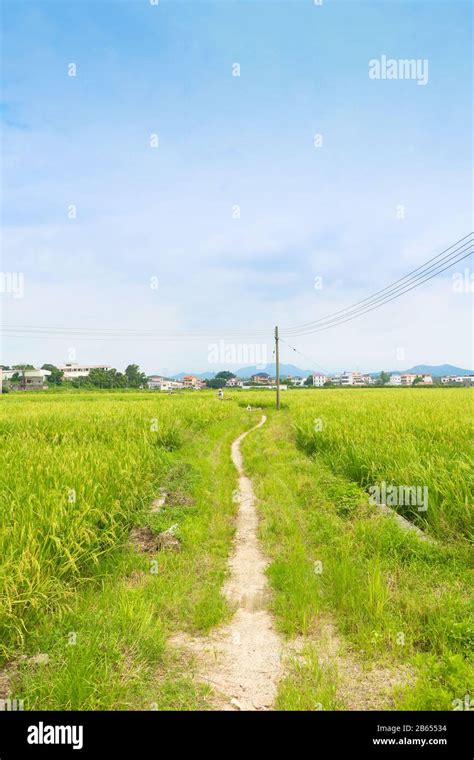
[{"x": 277, "y": 361}]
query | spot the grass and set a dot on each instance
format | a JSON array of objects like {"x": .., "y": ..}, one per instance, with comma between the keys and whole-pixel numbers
[
  {"x": 409, "y": 437},
  {"x": 396, "y": 599},
  {"x": 68, "y": 569},
  {"x": 79, "y": 470},
  {"x": 310, "y": 685}
]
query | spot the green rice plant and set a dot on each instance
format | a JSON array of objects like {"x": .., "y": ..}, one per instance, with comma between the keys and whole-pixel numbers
[
  {"x": 395, "y": 600},
  {"x": 78, "y": 470},
  {"x": 402, "y": 437}
]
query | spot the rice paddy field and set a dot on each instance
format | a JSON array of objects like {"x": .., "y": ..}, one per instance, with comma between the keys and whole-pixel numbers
[
  {"x": 422, "y": 440},
  {"x": 86, "y": 619}
]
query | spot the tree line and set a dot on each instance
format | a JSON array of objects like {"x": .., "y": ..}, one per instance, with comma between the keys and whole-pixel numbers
[{"x": 132, "y": 377}]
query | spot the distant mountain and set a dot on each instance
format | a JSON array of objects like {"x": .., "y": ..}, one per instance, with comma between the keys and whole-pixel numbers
[
  {"x": 438, "y": 370},
  {"x": 285, "y": 369},
  {"x": 201, "y": 375},
  {"x": 290, "y": 369}
]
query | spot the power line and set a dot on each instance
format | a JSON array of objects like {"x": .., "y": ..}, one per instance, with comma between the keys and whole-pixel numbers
[
  {"x": 397, "y": 291},
  {"x": 367, "y": 310},
  {"x": 305, "y": 356},
  {"x": 351, "y": 314},
  {"x": 465, "y": 241},
  {"x": 137, "y": 332},
  {"x": 425, "y": 272},
  {"x": 126, "y": 334}
]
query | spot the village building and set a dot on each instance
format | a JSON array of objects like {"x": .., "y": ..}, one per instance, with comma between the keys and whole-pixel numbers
[
  {"x": 158, "y": 383},
  {"x": 73, "y": 370},
  {"x": 298, "y": 382},
  {"x": 234, "y": 382},
  {"x": 29, "y": 379},
  {"x": 407, "y": 378},
  {"x": 191, "y": 381},
  {"x": 348, "y": 378},
  {"x": 458, "y": 379},
  {"x": 260, "y": 378},
  {"x": 319, "y": 380},
  {"x": 357, "y": 378}
]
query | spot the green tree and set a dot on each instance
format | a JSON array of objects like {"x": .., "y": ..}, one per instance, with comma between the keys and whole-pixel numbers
[
  {"x": 99, "y": 378},
  {"x": 224, "y": 375},
  {"x": 134, "y": 377},
  {"x": 384, "y": 377},
  {"x": 309, "y": 380},
  {"x": 56, "y": 376},
  {"x": 102, "y": 378},
  {"x": 216, "y": 382}
]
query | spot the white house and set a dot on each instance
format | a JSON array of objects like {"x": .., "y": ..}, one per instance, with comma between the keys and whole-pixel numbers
[
  {"x": 158, "y": 383},
  {"x": 171, "y": 385},
  {"x": 319, "y": 380},
  {"x": 234, "y": 382},
  {"x": 395, "y": 380},
  {"x": 347, "y": 378},
  {"x": 357, "y": 378},
  {"x": 353, "y": 378},
  {"x": 30, "y": 379},
  {"x": 298, "y": 381},
  {"x": 74, "y": 370},
  {"x": 409, "y": 378},
  {"x": 459, "y": 379},
  {"x": 155, "y": 381}
]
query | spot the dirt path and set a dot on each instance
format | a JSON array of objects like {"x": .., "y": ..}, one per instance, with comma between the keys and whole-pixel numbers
[
  {"x": 244, "y": 660},
  {"x": 241, "y": 660}
]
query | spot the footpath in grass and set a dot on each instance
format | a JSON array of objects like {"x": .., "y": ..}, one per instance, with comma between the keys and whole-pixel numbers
[
  {"x": 374, "y": 616},
  {"x": 102, "y": 636},
  {"x": 379, "y": 617}
]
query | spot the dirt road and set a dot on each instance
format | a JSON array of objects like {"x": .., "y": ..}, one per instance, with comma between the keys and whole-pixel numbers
[{"x": 241, "y": 660}]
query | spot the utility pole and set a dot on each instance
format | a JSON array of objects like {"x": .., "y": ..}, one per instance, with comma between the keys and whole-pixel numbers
[{"x": 277, "y": 360}]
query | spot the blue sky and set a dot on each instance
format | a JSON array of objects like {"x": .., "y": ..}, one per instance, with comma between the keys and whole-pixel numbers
[{"x": 166, "y": 212}]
